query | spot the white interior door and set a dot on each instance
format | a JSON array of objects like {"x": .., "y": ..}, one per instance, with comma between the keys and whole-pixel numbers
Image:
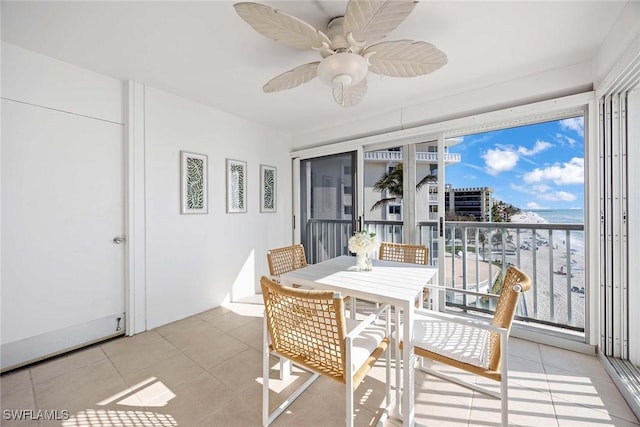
[{"x": 62, "y": 206}]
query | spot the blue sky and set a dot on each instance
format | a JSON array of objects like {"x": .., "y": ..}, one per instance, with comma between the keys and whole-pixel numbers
[{"x": 538, "y": 166}]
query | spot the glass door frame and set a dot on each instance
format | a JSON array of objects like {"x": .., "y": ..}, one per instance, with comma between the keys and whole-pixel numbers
[
  {"x": 408, "y": 144},
  {"x": 579, "y": 104},
  {"x": 337, "y": 203}
]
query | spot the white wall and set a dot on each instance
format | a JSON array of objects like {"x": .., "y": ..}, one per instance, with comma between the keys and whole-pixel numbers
[
  {"x": 192, "y": 262},
  {"x": 550, "y": 84},
  {"x": 196, "y": 262},
  {"x": 620, "y": 45},
  {"x": 40, "y": 80}
]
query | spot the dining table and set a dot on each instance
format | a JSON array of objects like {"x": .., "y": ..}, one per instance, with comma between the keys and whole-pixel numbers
[{"x": 398, "y": 284}]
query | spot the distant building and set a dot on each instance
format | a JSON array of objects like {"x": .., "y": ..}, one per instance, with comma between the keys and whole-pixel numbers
[{"x": 475, "y": 201}]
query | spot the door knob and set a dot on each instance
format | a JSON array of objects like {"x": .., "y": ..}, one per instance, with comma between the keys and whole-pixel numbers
[{"x": 117, "y": 240}]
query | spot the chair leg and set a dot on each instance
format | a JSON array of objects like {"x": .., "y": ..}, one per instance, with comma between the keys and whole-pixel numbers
[
  {"x": 268, "y": 418},
  {"x": 504, "y": 379},
  {"x": 504, "y": 402},
  {"x": 265, "y": 375},
  {"x": 285, "y": 368},
  {"x": 349, "y": 409},
  {"x": 348, "y": 385}
]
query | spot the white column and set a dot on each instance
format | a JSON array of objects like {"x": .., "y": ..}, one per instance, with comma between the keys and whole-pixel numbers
[{"x": 135, "y": 210}]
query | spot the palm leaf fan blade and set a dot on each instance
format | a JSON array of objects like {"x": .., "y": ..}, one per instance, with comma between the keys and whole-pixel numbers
[
  {"x": 292, "y": 78},
  {"x": 404, "y": 58},
  {"x": 370, "y": 21},
  {"x": 349, "y": 96},
  {"x": 281, "y": 26}
]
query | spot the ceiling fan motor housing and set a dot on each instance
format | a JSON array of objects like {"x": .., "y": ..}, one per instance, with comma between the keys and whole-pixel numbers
[
  {"x": 338, "y": 40},
  {"x": 343, "y": 69}
]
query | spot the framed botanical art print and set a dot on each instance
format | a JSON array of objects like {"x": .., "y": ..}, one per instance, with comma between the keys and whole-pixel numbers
[
  {"x": 268, "y": 180},
  {"x": 193, "y": 183},
  {"x": 236, "y": 186}
]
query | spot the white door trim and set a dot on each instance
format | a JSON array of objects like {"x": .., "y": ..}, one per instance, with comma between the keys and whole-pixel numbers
[{"x": 135, "y": 210}]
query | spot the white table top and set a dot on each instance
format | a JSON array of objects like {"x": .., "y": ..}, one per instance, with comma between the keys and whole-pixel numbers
[{"x": 396, "y": 283}]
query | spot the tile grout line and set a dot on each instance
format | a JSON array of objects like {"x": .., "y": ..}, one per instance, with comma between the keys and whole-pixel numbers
[{"x": 555, "y": 398}]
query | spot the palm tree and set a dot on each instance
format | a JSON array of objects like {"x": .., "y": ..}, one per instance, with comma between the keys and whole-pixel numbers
[{"x": 392, "y": 183}]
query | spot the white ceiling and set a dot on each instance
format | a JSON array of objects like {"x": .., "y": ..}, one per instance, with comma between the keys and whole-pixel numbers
[{"x": 203, "y": 51}]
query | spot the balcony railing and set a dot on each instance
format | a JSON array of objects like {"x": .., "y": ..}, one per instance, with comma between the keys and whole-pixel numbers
[
  {"x": 396, "y": 156},
  {"x": 477, "y": 255}
]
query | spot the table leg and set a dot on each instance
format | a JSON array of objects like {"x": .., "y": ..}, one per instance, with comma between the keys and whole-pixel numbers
[
  {"x": 352, "y": 307},
  {"x": 408, "y": 362}
]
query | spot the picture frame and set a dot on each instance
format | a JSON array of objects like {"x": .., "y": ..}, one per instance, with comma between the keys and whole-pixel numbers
[
  {"x": 194, "y": 183},
  {"x": 268, "y": 188},
  {"x": 236, "y": 186}
]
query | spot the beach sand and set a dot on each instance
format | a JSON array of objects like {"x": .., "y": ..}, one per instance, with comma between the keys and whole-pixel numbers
[
  {"x": 554, "y": 270},
  {"x": 548, "y": 267}
]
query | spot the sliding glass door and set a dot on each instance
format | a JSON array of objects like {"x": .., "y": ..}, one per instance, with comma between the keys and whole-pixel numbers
[
  {"x": 327, "y": 205},
  {"x": 619, "y": 209},
  {"x": 388, "y": 190},
  {"x": 401, "y": 194},
  {"x": 383, "y": 193}
]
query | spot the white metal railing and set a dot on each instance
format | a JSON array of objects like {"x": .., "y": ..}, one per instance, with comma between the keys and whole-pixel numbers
[
  {"x": 396, "y": 156},
  {"x": 477, "y": 255}
]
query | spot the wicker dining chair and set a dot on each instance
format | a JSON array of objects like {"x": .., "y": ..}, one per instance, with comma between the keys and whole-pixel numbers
[
  {"x": 309, "y": 328},
  {"x": 403, "y": 252},
  {"x": 473, "y": 346},
  {"x": 285, "y": 259}
]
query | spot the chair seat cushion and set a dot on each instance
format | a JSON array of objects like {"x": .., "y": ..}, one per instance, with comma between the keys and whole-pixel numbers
[
  {"x": 365, "y": 343},
  {"x": 463, "y": 343}
]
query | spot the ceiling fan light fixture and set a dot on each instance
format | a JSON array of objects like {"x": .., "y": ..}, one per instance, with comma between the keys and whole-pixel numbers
[
  {"x": 351, "y": 46},
  {"x": 343, "y": 69}
]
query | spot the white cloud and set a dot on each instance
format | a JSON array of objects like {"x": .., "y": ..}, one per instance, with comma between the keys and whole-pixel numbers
[
  {"x": 564, "y": 139},
  {"x": 530, "y": 189},
  {"x": 540, "y": 188},
  {"x": 537, "y": 148},
  {"x": 561, "y": 174},
  {"x": 474, "y": 166},
  {"x": 534, "y": 205},
  {"x": 556, "y": 196},
  {"x": 575, "y": 124},
  {"x": 497, "y": 160}
]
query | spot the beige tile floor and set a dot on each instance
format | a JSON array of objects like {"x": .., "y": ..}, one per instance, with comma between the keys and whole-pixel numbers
[{"x": 206, "y": 371}]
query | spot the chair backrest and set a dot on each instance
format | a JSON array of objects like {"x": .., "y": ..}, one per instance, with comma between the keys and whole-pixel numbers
[
  {"x": 515, "y": 282},
  {"x": 283, "y": 260},
  {"x": 402, "y": 252},
  {"x": 307, "y": 326}
]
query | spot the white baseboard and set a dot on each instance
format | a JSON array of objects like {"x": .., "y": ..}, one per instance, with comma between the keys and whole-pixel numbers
[{"x": 33, "y": 349}]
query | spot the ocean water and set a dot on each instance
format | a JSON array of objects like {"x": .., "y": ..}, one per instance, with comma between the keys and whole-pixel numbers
[
  {"x": 561, "y": 216},
  {"x": 565, "y": 216}
]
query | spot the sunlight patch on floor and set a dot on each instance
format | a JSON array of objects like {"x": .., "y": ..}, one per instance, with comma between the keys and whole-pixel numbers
[
  {"x": 107, "y": 418},
  {"x": 149, "y": 392}
]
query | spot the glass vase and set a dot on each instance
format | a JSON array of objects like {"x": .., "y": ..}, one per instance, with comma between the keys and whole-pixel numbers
[{"x": 363, "y": 261}]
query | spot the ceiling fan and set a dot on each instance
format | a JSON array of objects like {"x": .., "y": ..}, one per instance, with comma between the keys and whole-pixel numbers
[{"x": 348, "y": 46}]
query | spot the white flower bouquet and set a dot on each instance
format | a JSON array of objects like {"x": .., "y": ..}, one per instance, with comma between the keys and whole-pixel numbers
[{"x": 362, "y": 243}]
